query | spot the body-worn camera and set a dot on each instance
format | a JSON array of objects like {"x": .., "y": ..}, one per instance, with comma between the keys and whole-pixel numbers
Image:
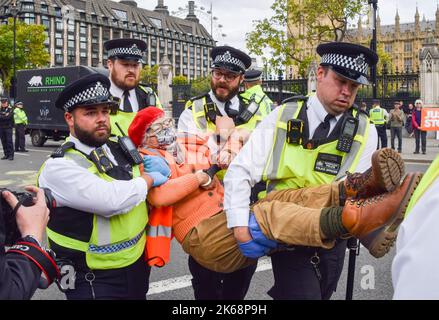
[{"x": 7, "y": 214}]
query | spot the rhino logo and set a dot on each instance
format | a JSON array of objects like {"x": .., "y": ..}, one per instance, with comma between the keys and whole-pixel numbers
[{"x": 36, "y": 81}]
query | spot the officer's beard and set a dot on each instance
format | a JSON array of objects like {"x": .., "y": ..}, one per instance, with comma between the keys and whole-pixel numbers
[
  {"x": 90, "y": 138},
  {"x": 233, "y": 91},
  {"x": 121, "y": 83}
]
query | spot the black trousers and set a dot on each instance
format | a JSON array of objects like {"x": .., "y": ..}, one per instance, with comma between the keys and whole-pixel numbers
[
  {"x": 129, "y": 283},
  {"x": 421, "y": 139},
  {"x": 211, "y": 285},
  {"x": 6, "y": 139},
  {"x": 20, "y": 137},
  {"x": 382, "y": 136},
  {"x": 295, "y": 278},
  {"x": 396, "y": 132}
]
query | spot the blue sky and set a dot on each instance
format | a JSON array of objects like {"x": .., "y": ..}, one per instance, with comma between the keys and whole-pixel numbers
[{"x": 237, "y": 16}]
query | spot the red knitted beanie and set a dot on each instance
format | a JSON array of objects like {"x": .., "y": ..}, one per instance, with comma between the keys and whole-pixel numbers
[{"x": 141, "y": 122}]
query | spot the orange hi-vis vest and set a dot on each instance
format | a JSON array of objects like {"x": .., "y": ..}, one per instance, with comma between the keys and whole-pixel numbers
[{"x": 159, "y": 229}]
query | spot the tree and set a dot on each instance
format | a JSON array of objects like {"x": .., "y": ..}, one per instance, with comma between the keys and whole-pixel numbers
[
  {"x": 319, "y": 20},
  {"x": 30, "y": 49},
  {"x": 179, "y": 80},
  {"x": 200, "y": 86},
  {"x": 149, "y": 75}
]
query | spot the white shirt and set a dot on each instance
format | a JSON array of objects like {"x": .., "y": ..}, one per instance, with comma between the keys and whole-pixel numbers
[
  {"x": 187, "y": 124},
  {"x": 247, "y": 168},
  {"x": 415, "y": 266},
  {"x": 118, "y": 93},
  {"x": 75, "y": 187}
]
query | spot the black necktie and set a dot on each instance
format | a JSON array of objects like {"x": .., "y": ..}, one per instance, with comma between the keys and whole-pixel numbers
[
  {"x": 126, "y": 102},
  {"x": 323, "y": 128},
  {"x": 230, "y": 112}
]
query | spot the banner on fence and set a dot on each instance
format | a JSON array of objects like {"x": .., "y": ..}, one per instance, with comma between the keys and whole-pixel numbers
[{"x": 430, "y": 119}]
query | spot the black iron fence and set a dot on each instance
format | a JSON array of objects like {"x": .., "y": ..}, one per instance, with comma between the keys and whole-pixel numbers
[
  {"x": 281, "y": 89},
  {"x": 398, "y": 86}
]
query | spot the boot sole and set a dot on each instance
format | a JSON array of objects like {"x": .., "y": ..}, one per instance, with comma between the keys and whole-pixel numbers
[
  {"x": 380, "y": 241},
  {"x": 389, "y": 167}
]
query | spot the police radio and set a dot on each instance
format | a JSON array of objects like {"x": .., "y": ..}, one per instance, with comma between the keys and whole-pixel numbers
[
  {"x": 128, "y": 148},
  {"x": 249, "y": 112},
  {"x": 295, "y": 131},
  {"x": 348, "y": 131},
  {"x": 101, "y": 160}
]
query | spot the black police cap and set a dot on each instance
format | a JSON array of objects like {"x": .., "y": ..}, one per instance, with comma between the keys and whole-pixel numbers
[
  {"x": 231, "y": 59},
  {"x": 349, "y": 60},
  {"x": 126, "y": 49},
  {"x": 87, "y": 91},
  {"x": 252, "y": 75}
]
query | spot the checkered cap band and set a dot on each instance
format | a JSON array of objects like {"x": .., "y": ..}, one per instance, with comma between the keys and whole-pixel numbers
[
  {"x": 227, "y": 58},
  {"x": 98, "y": 92},
  {"x": 112, "y": 248},
  {"x": 124, "y": 51},
  {"x": 357, "y": 64}
]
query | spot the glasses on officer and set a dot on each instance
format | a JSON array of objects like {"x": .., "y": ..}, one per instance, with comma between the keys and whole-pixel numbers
[
  {"x": 228, "y": 76},
  {"x": 159, "y": 126}
]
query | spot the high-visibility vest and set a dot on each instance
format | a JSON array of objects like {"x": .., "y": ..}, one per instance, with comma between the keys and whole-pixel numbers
[
  {"x": 124, "y": 119},
  {"x": 20, "y": 116},
  {"x": 427, "y": 180},
  {"x": 377, "y": 116},
  {"x": 292, "y": 166},
  {"x": 159, "y": 230},
  {"x": 203, "y": 123},
  {"x": 258, "y": 94},
  {"x": 107, "y": 243}
]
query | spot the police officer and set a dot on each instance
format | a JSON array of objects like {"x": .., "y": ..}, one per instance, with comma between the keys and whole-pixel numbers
[
  {"x": 125, "y": 59},
  {"x": 414, "y": 268},
  {"x": 100, "y": 219},
  {"x": 201, "y": 115},
  {"x": 379, "y": 117},
  {"x": 6, "y": 125},
  {"x": 20, "y": 120},
  {"x": 21, "y": 265},
  {"x": 297, "y": 146},
  {"x": 253, "y": 88}
]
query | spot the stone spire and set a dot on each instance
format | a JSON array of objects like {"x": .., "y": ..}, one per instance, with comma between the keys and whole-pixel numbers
[
  {"x": 417, "y": 24},
  {"x": 397, "y": 29}
]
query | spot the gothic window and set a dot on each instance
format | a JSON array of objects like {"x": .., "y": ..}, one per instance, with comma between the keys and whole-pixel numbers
[{"x": 428, "y": 63}]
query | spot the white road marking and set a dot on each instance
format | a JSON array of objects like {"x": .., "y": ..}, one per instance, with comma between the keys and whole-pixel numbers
[{"x": 185, "y": 281}]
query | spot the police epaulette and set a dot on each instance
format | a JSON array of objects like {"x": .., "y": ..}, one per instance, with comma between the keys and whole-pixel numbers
[
  {"x": 60, "y": 151},
  {"x": 199, "y": 96},
  {"x": 294, "y": 99}
]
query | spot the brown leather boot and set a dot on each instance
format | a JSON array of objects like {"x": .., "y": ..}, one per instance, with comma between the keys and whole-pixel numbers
[
  {"x": 375, "y": 220},
  {"x": 384, "y": 176}
]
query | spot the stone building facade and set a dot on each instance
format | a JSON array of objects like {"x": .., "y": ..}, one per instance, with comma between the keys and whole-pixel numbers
[{"x": 77, "y": 29}]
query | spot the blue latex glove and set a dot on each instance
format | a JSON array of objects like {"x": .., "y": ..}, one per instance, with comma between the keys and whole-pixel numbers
[
  {"x": 158, "y": 178},
  {"x": 156, "y": 163},
  {"x": 252, "y": 249},
  {"x": 257, "y": 234}
]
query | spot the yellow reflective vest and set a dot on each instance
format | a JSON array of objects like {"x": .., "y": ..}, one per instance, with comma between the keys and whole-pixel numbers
[
  {"x": 294, "y": 166},
  {"x": 377, "y": 116},
  {"x": 106, "y": 243}
]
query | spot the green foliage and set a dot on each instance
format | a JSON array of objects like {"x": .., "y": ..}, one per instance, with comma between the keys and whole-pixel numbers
[
  {"x": 200, "y": 86},
  {"x": 321, "y": 20},
  {"x": 30, "y": 49},
  {"x": 149, "y": 74},
  {"x": 179, "y": 80}
]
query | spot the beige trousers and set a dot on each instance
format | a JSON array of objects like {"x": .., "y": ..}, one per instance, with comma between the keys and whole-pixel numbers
[{"x": 288, "y": 216}]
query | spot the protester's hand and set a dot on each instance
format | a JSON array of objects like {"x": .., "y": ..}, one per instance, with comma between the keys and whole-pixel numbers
[
  {"x": 156, "y": 164},
  {"x": 257, "y": 235},
  {"x": 224, "y": 127},
  {"x": 30, "y": 220},
  {"x": 225, "y": 158},
  {"x": 158, "y": 178}
]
